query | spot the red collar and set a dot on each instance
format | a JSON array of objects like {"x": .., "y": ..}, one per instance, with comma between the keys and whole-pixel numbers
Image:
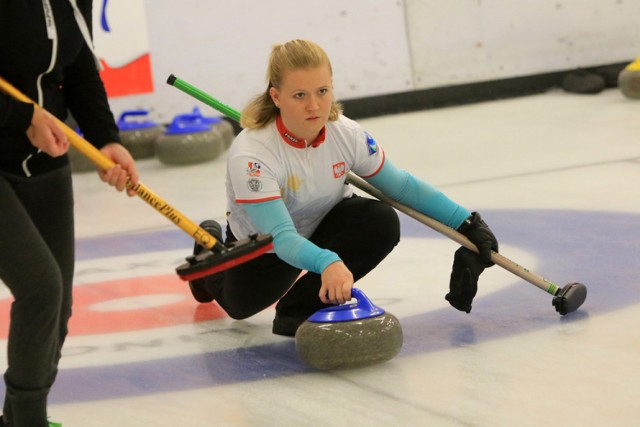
[{"x": 293, "y": 140}]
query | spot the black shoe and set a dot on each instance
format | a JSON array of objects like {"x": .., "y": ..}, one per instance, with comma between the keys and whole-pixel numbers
[
  {"x": 212, "y": 227},
  {"x": 199, "y": 288},
  {"x": 286, "y": 325}
]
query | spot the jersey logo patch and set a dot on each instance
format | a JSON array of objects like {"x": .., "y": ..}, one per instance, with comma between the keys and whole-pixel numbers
[
  {"x": 371, "y": 144},
  {"x": 254, "y": 184},
  {"x": 339, "y": 169},
  {"x": 294, "y": 183},
  {"x": 253, "y": 169}
]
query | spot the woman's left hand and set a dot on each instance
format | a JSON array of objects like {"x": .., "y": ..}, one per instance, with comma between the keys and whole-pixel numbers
[
  {"x": 124, "y": 170},
  {"x": 337, "y": 282}
]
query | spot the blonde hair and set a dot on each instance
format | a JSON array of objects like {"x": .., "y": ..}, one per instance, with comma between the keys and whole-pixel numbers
[{"x": 292, "y": 55}]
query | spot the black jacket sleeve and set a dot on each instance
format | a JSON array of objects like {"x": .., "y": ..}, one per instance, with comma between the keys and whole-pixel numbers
[
  {"x": 15, "y": 114},
  {"x": 86, "y": 96}
]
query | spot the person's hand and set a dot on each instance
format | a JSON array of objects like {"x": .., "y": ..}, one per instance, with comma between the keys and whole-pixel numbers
[
  {"x": 463, "y": 285},
  {"x": 475, "y": 229},
  {"x": 124, "y": 170},
  {"x": 337, "y": 282},
  {"x": 45, "y": 134},
  {"x": 468, "y": 265}
]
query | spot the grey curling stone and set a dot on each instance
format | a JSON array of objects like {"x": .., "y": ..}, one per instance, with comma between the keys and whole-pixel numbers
[
  {"x": 228, "y": 132},
  {"x": 225, "y": 127},
  {"x": 349, "y": 335},
  {"x": 189, "y": 140},
  {"x": 139, "y": 136},
  {"x": 629, "y": 80}
]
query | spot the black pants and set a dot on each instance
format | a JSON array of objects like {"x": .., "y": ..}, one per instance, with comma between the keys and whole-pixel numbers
[
  {"x": 361, "y": 231},
  {"x": 36, "y": 263}
]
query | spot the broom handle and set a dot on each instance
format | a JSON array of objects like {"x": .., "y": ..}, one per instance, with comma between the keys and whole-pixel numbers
[
  {"x": 204, "y": 97},
  {"x": 454, "y": 235},
  {"x": 201, "y": 236}
]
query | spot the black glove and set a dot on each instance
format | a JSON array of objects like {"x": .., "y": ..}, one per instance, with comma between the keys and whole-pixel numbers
[
  {"x": 468, "y": 265},
  {"x": 463, "y": 286},
  {"x": 475, "y": 229}
]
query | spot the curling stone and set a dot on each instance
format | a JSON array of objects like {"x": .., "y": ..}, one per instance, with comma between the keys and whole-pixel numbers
[
  {"x": 583, "y": 82},
  {"x": 629, "y": 80},
  {"x": 349, "y": 335},
  {"x": 225, "y": 127},
  {"x": 139, "y": 136},
  {"x": 228, "y": 131},
  {"x": 189, "y": 140}
]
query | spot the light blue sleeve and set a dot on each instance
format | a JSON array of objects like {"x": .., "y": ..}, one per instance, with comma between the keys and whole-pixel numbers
[
  {"x": 272, "y": 217},
  {"x": 400, "y": 185}
]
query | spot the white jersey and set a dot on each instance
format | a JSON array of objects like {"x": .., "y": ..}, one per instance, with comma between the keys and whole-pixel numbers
[{"x": 269, "y": 163}]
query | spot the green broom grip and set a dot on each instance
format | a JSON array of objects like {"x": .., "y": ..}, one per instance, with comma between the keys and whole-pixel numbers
[{"x": 204, "y": 97}]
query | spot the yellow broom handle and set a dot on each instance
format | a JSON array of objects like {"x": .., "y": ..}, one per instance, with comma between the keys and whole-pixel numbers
[{"x": 104, "y": 163}]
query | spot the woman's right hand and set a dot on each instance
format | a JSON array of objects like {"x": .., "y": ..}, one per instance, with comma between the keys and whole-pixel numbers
[
  {"x": 337, "y": 282},
  {"x": 45, "y": 134}
]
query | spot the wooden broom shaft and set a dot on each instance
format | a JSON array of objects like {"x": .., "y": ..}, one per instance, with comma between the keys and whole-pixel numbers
[{"x": 200, "y": 235}]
